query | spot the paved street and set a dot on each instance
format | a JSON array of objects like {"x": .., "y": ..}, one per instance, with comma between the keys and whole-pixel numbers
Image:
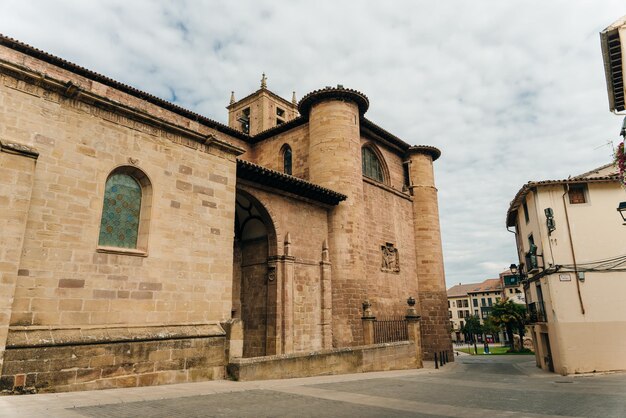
[{"x": 482, "y": 386}]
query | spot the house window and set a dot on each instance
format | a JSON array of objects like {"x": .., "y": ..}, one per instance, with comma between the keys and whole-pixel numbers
[
  {"x": 476, "y": 312},
  {"x": 287, "y": 157},
  {"x": 526, "y": 217},
  {"x": 125, "y": 210},
  {"x": 489, "y": 302},
  {"x": 280, "y": 112},
  {"x": 371, "y": 165},
  {"x": 460, "y": 314},
  {"x": 475, "y": 303},
  {"x": 482, "y": 302},
  {"x": 577, "y": 194},
  {"x": 461, "y": 322}
]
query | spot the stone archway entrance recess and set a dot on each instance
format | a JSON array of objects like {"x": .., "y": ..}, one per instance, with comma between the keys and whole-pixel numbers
[{"x": 256, "y": 286}]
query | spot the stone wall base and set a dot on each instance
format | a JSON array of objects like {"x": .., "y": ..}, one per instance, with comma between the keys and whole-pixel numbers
[
  {"x": 112, "y": 365},
  {"x": 368, "y": 358}
]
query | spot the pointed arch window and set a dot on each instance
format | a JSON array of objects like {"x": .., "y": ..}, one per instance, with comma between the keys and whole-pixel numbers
[
  {"x": 371, "y": 165},
  {"x": 125, "y": 210},
  {"x": 287, "y": 159}
]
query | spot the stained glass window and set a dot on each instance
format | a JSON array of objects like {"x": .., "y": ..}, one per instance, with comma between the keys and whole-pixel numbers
[
  {"x": 287, "y": 160},
  {"x": 371, "y": 164},
  {"x": 120, "y": 214}
]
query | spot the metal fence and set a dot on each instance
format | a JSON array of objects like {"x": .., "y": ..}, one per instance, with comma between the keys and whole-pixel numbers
[{"x": 388, "y": 330}]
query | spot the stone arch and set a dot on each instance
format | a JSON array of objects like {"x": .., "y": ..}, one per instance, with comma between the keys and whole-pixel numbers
[
  {"x": 373, "y": 148},
  {"x": 255, "y": 246}
]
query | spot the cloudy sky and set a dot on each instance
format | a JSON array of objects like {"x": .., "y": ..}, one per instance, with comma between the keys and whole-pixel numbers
[{"x": 510, "y": 91}]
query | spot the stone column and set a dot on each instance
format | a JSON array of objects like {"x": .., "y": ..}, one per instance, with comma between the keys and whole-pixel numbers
[
  {"x": 287, "y": 267},
  {"x": 327, "y": 298},
  {"x": 432, "y": 296},
  {"x": 273, "y": 333},
  {"x": 415, "y": 331},
  {"x": 367, "y": 321},
  {"x": 17, "y": 172},
  {"x": 335, "y": 163}
]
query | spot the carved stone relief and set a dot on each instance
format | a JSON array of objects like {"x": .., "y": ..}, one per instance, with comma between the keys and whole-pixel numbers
[{"x": 390, "y": 258}]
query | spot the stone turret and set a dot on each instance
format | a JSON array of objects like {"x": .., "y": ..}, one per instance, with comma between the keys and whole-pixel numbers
[
  {"x": 335, "y": 163},
  {"x": 429, "y": 255}
]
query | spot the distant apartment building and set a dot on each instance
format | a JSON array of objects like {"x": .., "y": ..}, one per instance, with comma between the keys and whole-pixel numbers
[
  {"x": 474, "y": 299},
  {"x": 572, "y": 251},
  {"x": 459, "y": 309},
  {"x": 512, "y": 287}
]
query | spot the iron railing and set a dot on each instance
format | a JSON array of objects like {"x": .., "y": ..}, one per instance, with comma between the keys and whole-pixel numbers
[
  {"x": 388, "y": 330},
  {"x": 537, "y": 312}
]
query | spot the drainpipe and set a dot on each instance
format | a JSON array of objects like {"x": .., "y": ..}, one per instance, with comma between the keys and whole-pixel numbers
[{"x": 571, "y": 243}]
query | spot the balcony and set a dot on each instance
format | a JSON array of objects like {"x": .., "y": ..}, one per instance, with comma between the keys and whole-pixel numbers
[{"x": 537, "y": 312}]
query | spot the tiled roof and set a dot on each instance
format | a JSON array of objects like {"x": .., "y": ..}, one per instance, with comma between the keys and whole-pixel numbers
[
  {"x": 267, "y": 177},
  {"x": 521, "y": 194},
  {"x": 489, "y": 285},
  {"x": 597, "y": 171},
  {"x": 460, "y": 290}
]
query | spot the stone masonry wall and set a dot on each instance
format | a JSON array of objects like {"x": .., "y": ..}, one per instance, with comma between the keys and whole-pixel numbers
[
  {"x": 335, "y": 163},
  {"x": 16, "y": 180},
  {"x": 114, "y": 362},
  {"x": 254, "y": 296},
  {"x": 268, "y": 153},
  {"x": 388, "y": 219},
  {"x": 430, "y": 272},
  {"x": 64, "y": 280}
]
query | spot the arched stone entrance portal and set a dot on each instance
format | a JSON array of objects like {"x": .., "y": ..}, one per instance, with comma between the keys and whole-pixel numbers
[{"x": 253, "y": 294}]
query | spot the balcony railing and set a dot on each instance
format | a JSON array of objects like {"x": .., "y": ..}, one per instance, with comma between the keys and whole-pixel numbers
[{"x": 537, "y": 312}]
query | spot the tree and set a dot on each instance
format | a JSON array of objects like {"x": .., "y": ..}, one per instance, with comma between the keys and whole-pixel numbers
[
  {"x": 490, "y": 327},
  {"x": 472, "y": 327},
  {"x": 511, "y": 316}
]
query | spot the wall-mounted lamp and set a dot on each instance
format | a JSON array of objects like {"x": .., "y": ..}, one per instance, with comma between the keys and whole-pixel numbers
[
  {"x": 513, "y": 269},
  {"x": 622, "y": 211}
]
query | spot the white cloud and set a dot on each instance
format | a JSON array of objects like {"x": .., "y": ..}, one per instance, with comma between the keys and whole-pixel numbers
[{"x": 510, "y": 91}]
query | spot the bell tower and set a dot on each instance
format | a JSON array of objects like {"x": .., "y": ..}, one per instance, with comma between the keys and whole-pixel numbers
[{"x": 260, "y": 110}]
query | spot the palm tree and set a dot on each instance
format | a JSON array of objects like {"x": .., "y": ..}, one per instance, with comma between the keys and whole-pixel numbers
[{"x": 511, "y": 316}]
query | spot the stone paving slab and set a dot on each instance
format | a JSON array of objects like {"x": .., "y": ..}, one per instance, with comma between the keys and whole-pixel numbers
[{"x": 472, "y": 387}]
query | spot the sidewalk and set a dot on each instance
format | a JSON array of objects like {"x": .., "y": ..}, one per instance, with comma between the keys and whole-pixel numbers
[{"x": 61, "y": 404}]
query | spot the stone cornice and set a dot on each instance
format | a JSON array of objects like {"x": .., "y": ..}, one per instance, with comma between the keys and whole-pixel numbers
[
  {"x": 55, "y": 90},
  {"x": 27, "y": 337},
  {"x": 18, "y": 149}
]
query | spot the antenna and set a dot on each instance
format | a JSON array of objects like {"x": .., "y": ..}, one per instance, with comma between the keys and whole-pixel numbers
[{"x": 606, "y": 144}]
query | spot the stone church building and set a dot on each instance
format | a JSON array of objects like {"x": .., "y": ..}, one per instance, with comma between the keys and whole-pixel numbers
[{"x": 143, "y": 244}]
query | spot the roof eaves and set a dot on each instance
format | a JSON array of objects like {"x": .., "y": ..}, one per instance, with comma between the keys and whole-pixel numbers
[
  {"x": 521, "y": 194},
  {"x": 386, "y": 135},
  {"x": 276, "y": 130},
  {"x": 268, "y": 177}
]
